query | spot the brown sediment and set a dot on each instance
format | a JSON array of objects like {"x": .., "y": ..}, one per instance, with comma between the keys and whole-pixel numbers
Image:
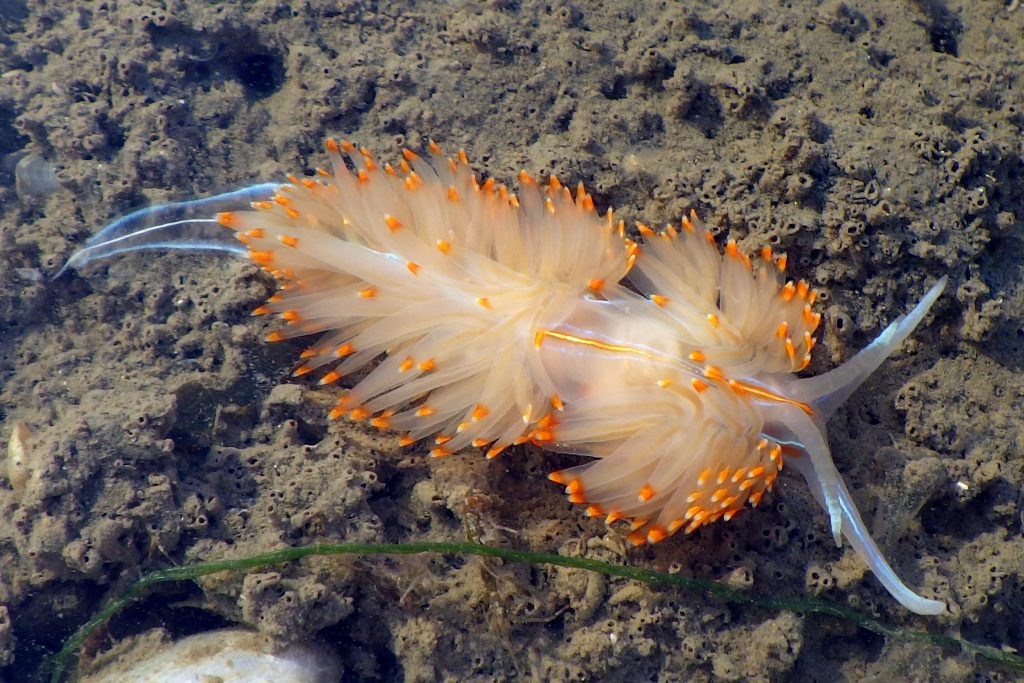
[{"x": 876, "y": 145}]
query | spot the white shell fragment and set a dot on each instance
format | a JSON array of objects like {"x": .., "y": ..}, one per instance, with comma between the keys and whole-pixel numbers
[
  {"x": 228, "y": 656},
  {"x": 18, "y": 470},
  {"x": 35, "y": 177}
]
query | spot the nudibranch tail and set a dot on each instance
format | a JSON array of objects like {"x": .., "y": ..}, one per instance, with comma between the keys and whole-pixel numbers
[{"x": 185, "y": 225}]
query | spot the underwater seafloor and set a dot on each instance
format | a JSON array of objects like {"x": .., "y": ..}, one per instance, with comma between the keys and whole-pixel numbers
[{"x": 878, "y": 144}]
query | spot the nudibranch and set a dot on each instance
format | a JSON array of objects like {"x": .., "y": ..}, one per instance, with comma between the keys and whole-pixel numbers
[{"x": 498, "y": 318}]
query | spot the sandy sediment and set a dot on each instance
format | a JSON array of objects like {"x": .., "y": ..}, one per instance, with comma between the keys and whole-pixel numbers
[{"x": 877, "y": 144}]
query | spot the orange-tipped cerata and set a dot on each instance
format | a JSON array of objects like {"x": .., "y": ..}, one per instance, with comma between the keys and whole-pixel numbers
[{"x": 497, "y": 318}]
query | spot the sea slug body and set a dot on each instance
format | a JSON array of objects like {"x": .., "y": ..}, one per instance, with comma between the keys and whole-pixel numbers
[{"x": 500, "y": 318}]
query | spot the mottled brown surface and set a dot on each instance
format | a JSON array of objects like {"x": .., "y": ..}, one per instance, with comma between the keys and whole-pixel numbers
[{"x": 877, "y": 143}]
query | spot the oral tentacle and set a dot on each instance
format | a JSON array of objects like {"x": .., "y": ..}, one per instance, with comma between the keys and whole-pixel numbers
[
  {"x": 857, "y": 534},
  {"x": 825, "y": 393},
  {"x": 818, "y": 468},
  {"x": 806, "y": 432}
]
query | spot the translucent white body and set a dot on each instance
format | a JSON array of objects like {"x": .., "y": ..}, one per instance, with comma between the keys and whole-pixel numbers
[{"x": 499, "y": 319}]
